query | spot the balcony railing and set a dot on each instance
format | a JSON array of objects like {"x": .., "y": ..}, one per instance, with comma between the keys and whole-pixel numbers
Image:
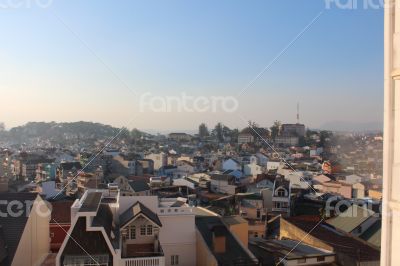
[{"x": 147, "y": 261}]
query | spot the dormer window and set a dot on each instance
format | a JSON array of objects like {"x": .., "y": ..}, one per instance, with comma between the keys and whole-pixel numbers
[{"x": 280, "y": 192}]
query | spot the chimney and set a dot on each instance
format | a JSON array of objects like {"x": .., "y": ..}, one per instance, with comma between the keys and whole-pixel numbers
[{"x": 219, "y": 239}]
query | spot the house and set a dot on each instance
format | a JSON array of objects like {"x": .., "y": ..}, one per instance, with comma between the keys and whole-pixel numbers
[
  {"x": 133, "y": 230},
  {"x": 184, "y": 168},
  {"x": 186, "y": 182},
  {"x": 45, "y": 171},
  {"x": 169, "y": 171},
  {"x": 352, "y": 179},
  {"x": 252, "y": 169},
  {"x": 245, "y": 137},
  {"x": 272, "y": 252},
  {"x": 66, "y": 169},
  {"x": 27, "y": 163},
  {"x": 218, "y": 246},
  {"x": 239, "y": 176},
  {"x": 355, "y": 220},
  {"x": 128, "y": 187},
  {"x": 139, "y": 188},
  {"x": 24, "y": 229},
  {"x": 262, "y": 159},
  {"x": 60, "y": 223},
  {"x": 349, "y": 250},
  {"x": 238, "y": 226},
  {"x": 320, "y": 179},
  {"x": 358, "y": 191},
  {"x": 231, "y": 164},
  {"x": 159, "y": 159},
  {"x": 251, "y": 208},
  {"x": 299, "y": 180},
  {"x": 336, "y": 187},
  {"x": 273, "y": 165},
  {"x": 225, "y": 184},
  {"x": 281, "y": 196},
  {"x": 127, "y": 165},
  {"x": 180, "y": 137}
]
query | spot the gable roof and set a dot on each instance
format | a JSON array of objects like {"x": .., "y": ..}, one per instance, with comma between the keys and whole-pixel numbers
[
  {"x": 135, "y": 210},
  {"x": 139, "y": 185},
  {"x": 13, "y": 227},
  {"x": 351, "y": 246},
  {"x": 351, "y": 218}
]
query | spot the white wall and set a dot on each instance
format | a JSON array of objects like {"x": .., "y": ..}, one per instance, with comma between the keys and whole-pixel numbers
[
  {"x": 178, "y": 237},
  {"x": 390, "y": 243}
]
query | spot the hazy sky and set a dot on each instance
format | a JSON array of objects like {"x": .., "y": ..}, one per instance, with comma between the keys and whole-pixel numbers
[{"x": 94, "y": 60}]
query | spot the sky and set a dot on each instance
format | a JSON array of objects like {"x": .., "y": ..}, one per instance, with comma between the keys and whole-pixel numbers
[{"x": 132, "y": 63}]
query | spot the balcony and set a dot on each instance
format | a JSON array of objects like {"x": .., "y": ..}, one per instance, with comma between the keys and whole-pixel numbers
[
  {"x": 147, "y": 261},
  {"x": 142, "y": 250}
]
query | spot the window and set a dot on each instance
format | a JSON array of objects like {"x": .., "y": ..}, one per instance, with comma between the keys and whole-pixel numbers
[
  {"x": 321, "y": 259},
  {"x": 132, "y": 232},
  {"x": 149, "y": 230},
  {"x": 143, "y": 230},
  {"x": 280, "y": 192},
  {"x": 258, "y": 213},
  {"x": 174, "y": 260}
]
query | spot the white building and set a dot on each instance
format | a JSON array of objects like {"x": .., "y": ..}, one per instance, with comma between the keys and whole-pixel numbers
[
  {"x": 390, "y": 243},
  {"x": 252, "y": 169},
  {"x": 131, "y": 230}
]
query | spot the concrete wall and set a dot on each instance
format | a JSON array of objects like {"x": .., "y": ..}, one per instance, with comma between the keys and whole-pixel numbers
[
  {"x": 34, "y": 245},
  {"x": 391, "y": 154},
  {"x": 241, "y": 232},
  {"x": 178, "y": 237},
  {"x": 204, "y": 256}
]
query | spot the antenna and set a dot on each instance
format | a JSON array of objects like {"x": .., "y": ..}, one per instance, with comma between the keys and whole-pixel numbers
[{"x": 298, "y": 113}]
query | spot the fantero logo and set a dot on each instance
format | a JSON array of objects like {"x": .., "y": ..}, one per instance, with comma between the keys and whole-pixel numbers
[
  {"x": 187, "y": 103},
  {"x": 17, "y": 208}
]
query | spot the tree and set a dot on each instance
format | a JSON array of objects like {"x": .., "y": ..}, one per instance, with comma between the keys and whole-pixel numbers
[
  {"x": 275, "y": 129},
  {"x": 324, "y": 136},
  {"x": 136, "y": 134},
  {"x": 218, "y": 133},
  {"x": 203, "y": 131}
]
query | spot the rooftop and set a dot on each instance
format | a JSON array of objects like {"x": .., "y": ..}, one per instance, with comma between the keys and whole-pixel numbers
[
  {"x": 234, "y": 253},
  {"x": 91, "y": 202}
]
